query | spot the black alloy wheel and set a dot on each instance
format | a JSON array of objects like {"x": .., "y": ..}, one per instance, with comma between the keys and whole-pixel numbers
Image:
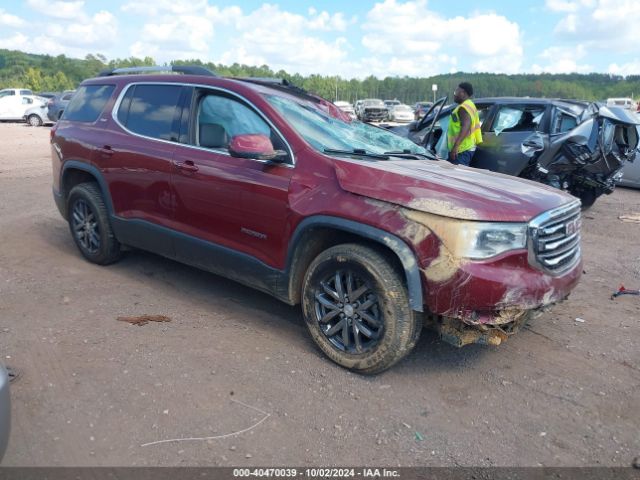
[
  {"x": 348, "y": 312},
  {"x": 356, "y": 308},
  {"x": 90, "y": 226},
  {"x": 85, "y": 226}
]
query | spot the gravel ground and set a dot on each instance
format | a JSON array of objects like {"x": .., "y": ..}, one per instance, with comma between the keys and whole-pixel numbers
[{"x": 95, "y": 391}]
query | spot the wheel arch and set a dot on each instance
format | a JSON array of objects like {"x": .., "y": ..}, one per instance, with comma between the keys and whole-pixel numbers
[
  {"x": 75, "y": 172},
  {"x": 317, "y": 233}
]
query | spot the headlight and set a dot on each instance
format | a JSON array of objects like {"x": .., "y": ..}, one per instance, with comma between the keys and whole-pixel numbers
[
  {"x": 486, "y": 240},
  {"x": 470, "y": 239}
]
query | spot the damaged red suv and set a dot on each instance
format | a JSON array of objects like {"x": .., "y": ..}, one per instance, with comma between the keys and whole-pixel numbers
[{"x": 265, "y": 184}]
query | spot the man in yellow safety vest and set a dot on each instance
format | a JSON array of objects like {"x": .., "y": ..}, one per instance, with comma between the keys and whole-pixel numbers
[{"x": 463, "y": 133}]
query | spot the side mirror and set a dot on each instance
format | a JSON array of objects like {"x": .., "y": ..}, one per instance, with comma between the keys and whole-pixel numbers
[{"x": 256, "y": 146}]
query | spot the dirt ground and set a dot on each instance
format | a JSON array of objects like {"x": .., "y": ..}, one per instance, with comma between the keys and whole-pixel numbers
[{"x": 238, "y": 365}]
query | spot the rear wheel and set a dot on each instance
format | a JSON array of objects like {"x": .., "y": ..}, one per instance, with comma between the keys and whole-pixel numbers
[
  {"x": 90, "y": 226},
  {"x": 356, "y": 308},
  {"x": 34, "y": 120}
]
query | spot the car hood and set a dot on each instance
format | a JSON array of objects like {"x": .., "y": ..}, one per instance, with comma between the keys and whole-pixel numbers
[{"x": 440, "y": 188}]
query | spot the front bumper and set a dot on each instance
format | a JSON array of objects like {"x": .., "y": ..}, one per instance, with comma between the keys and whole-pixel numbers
[
  {"x": 374, "y": 115},
  {"x": 478, "y": 292}
]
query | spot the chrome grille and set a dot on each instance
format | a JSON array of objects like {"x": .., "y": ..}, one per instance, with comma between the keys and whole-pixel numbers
[{"x": 554, "y": 239}]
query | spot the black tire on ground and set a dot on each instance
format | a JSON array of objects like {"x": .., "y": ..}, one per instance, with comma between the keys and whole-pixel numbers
[
  {"x": 373, "y": 329},
  {"x": 587, "y": 197},
  {"x": 90, "y": 226},
  {"x": 34, "y": 120}
]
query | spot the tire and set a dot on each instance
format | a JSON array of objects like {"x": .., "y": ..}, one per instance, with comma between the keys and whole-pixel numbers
[
  {"x": 34, "y": 120},
  {"x": 89, "y": 225},
  {"x": 587, "y": 197},
  {"x": 389, "y": 328}
]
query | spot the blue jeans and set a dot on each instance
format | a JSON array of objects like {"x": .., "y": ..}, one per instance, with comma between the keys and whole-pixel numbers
[{"x": 464, "y": 158}]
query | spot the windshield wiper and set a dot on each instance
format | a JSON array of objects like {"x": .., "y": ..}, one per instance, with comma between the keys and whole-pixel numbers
[
  {"x": 357, "y": 151},
  {"x": 409, "y": 154}
]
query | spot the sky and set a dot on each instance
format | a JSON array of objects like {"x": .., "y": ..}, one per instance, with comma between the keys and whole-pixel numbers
[{"x": 349, "y": 38}]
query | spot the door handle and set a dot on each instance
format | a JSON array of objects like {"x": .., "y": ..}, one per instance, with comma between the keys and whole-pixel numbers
[
  {"x": 187, "y": 165},
  {"x": 106, "y": 151}
]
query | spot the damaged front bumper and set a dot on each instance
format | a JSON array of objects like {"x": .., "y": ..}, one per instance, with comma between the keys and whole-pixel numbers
[{"x": 491, "y": 329}]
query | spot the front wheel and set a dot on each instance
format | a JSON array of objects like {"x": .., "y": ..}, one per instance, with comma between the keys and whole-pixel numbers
[{"x": 356, "y": 307}]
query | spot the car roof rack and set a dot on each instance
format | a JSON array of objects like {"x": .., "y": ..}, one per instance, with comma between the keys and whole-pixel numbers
[{"x": 184, "y": 69}]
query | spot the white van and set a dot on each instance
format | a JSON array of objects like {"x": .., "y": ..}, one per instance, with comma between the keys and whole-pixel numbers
[{"x": 628, "y": 103}]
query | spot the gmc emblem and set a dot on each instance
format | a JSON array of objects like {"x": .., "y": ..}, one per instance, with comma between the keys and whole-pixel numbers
[{"x": 572, "y": 226}]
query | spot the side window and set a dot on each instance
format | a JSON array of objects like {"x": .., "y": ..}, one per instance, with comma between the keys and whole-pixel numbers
[
  {"x": 26, "y": 92},
  {"x": 67, "y": 96},
  {"x": 518, "y": 118},
  {"x": 7, "y": 93},
  {"x": 564, "y": 122},
  {"x": 88, "y": 103},
  {"x": 482, "y": 112},
  {"x": 150, "y": 110},
  {"x": 220, "y": 118}
]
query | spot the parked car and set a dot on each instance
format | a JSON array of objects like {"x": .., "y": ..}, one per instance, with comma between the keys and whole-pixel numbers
[
  {"x": 626, "y": 103},
  {"x": 401, "y": 113},
  {"x": 36, "y": 115},
  {"x": 631, "y": 172},
  {"x": 575, "y": 146},
  {"x": 347, "y": 108},
  {"x": 57, "y": 104},
  {"x": 15, "y": 92},
  {"x": 48, "y": 95},
  {"x": 15, "y": 101},
  {"x": 389, "y": 104},
  {"x": 258, "y": 181},
  {"x": 420, "y": 108},
  {"x": 5, "y": 411},
  {"x": 372, "y": 110}
]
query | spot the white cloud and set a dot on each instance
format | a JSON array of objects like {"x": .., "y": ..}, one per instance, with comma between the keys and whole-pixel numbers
[
  {"x": 18, "y": 41},
  {"x": 10, "y": 20},
  {"x": 56, "y": 9},
  {"x": 100, "y": 30},
  {"x": 487, "y": 41},
  {"x": 157, "y": 7},
  {"x": 602, "y": 25},
  {"x": 630, "y": 68},
  {"x": 289, "y": 41},
  {"x": 568, "y": 6},
  {"x": 563, "y": 60}
]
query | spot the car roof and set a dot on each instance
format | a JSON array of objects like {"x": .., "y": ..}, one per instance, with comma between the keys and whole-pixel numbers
[{"x": 534, "y": 100}]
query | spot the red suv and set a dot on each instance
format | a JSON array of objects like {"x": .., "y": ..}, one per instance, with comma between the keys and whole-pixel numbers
[{"x": 263, "y": 183}]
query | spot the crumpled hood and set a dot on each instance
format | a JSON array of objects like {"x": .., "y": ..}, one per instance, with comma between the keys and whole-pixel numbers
[{"x": 440, "y": 188}]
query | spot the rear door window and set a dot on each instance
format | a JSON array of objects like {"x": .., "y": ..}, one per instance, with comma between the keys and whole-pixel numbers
[
  {"x": 88, "y": 103},
  {"x": 150, "y": 110},
  {"x": 518, "y": 118}
]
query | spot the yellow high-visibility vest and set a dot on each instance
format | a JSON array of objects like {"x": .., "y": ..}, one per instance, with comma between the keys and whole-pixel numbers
[{"x": 474, "y": 137}]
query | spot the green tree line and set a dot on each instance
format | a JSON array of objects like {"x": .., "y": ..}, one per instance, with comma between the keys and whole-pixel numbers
[{"x": 57, "y": 73}]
